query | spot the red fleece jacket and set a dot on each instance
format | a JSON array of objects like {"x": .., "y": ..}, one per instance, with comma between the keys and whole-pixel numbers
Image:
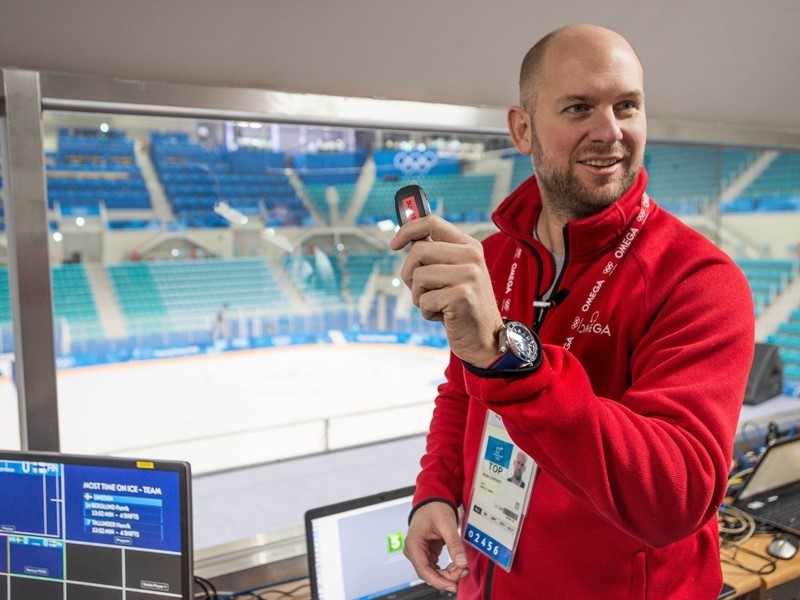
[{"x": 632, "y": 426}]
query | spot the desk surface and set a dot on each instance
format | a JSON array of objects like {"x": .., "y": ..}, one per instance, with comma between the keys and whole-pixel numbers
[
  {"x": 743, "y": 582},
  {"x": 753, "y": 555}
]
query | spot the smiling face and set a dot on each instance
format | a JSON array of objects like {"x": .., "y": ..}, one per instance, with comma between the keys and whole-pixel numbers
[{"x": 584, "y": 122}]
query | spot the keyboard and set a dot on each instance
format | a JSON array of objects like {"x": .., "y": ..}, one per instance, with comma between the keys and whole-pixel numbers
[{"x": 784, "y": 512}]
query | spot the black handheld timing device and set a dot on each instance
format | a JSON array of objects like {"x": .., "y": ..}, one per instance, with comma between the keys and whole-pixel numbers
[{"x": 411, "y": 203}]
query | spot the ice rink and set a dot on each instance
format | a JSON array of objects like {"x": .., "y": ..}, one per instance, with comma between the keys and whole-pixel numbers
[{"x": 245, "y": 407}]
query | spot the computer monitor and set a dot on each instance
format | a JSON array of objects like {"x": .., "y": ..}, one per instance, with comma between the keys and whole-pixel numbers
[
  {"x": 92, "y": 527},
  {"x": 355, "y": 550}
]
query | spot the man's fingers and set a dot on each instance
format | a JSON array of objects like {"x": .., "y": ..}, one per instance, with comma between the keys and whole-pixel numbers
[
  {"x": 455, "y": 547},
  {"x": 440, "y": 276},
  {"x": 455, "y": 571},
  {"x": 437, "y": 295},
  {"x": 434, "y": 525},
  {"x": 441, "y": 579},
  {"x": 465, "y": 260},
  {"x": 432, "y": 227},
  {"x": 428, "y": 570}
]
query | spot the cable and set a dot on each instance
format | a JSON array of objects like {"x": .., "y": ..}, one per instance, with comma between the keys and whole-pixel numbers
[
  {"x": 208, "y": 587},
  {"x": 743, "y": 461},
  {"x": 284, "y": 594},
  {"x": 736, "y": 527},
  {"x": 739, "y": 475},
  {"x": 199, "y": 582},
  {"x": 258, "y": 592},
  {"x": 769, "y": 566},
  {"x": 736, "y": 479}
]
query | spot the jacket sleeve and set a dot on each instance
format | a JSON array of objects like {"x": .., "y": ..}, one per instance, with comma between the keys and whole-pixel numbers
[
  {"x": 655, "y": 462},
  {"x": 442, "y": 474}
]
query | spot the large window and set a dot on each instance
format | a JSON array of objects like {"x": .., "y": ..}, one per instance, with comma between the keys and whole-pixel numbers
[
  {"x": 223, "y": 291},
  {"x": 9, "y": 413}
]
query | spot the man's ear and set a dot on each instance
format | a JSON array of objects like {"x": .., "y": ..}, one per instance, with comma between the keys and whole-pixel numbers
[{"x": 519, "y": 126}]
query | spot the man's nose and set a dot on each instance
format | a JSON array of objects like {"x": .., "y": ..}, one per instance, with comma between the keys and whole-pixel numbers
[{"x": 605, "y": 127}]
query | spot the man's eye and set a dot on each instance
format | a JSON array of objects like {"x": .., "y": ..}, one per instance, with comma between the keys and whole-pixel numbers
[
  {"x": 577, "y": 109},
  {"x": 627, "y": 106}
]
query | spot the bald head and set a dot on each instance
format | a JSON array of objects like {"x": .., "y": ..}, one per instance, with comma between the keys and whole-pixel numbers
[
  {"x": 557, "y": 48},
  {"x": 582, "y": 119}
]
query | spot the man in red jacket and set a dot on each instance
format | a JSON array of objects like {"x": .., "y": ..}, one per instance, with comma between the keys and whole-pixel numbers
[{"x": 595, "y": 333}]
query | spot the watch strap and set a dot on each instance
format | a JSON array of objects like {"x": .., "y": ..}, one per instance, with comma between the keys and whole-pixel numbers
[
  {"x": 490, "y": 373},
  {"x": 507, "y": 364},
  {"x": 506, "y": 361}
]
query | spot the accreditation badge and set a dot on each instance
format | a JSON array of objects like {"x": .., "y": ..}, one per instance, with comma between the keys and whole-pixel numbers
[{"x": 501, "y": 492}]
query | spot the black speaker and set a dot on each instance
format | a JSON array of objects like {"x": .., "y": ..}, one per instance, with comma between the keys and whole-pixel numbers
[{"x": 766, "y": 375}]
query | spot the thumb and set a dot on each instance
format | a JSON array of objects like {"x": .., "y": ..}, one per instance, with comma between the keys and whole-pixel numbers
[{"x": 455, "y": 547}]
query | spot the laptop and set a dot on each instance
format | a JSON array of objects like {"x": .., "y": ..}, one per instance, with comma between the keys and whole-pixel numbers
[
  {"x": 93, "y": 527},
  {"x": 355, "y": 550},
  {"x": 771, "y": 494}
]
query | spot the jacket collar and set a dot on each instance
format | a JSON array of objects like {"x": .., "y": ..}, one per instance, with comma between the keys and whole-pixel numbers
[{"x": 517, "y": 215}]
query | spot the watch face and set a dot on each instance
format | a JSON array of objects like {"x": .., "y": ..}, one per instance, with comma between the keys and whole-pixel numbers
[{"x": 521, "y": 342}]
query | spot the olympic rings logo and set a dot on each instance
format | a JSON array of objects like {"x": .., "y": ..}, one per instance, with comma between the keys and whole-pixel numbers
[{"x": 415, "y": 163}]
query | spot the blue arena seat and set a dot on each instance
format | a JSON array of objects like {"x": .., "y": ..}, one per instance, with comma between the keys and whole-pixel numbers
[
  {"x": 252, "y": 182},
  {"x": 73, "y": 302},
  {"x": 777, "y": 188},
  {"x": 179, "y": 295},
  {"x": 454, "y": 196},
  {"x": 91, "y": 168}
]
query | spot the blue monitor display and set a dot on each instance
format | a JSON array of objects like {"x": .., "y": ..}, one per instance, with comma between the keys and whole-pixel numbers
[{"x": 87, "y": 527}]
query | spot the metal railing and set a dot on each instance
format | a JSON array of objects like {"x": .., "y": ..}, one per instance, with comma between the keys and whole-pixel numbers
[{"x": 298, "y": 439}]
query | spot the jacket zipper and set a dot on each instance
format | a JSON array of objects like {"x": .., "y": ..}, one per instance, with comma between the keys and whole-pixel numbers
[
  {"x": 487, "y": 594},
  {"x": 541, "y": 271},
  {"x": 542, "y": 312}
]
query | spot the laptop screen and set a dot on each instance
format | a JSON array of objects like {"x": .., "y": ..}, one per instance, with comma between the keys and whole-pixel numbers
[
  {"x": 779, "y": 466},
  {"x": 94, "y": 527},
  {"x": 355, "y": 548}
]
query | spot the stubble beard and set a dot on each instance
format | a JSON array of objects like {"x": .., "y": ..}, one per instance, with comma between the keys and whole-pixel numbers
[{"x": 568, "y": 196}]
